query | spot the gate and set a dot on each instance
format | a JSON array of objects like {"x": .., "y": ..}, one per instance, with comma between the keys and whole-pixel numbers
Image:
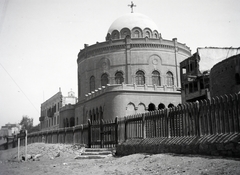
[{"x": 102, "y": 134}]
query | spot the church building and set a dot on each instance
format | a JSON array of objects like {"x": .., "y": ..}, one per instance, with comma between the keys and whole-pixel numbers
[{"x": 134, "y": 71}]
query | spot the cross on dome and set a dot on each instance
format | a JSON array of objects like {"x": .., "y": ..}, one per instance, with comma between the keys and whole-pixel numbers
[{"x": 131, "y": 6}]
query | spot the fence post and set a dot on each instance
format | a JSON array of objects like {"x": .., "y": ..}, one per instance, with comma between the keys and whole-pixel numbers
[
  {"x": 18, "y": 148},
  {"x": 232, "y": 128},
  {"x": 237, "y": 105},
  {"x": 52, "y": 132},
  {"x": 125, "y": 128},
  {"x": 26, "y": 145},
  {"x": 169, "y": 122},
  {"x": 116, "y": 130},
  {"x": 73, "y": 134},
  {"x": 57, "y": 133},
  {"x": 101, "y": 133},
  {"x": 197, "y": 118},
  {"x": 143, "y": 126},
  {"x": 89, "y": 133},
  {"x": 166, "y": 132},
  {"x": 81, "y": 141}
]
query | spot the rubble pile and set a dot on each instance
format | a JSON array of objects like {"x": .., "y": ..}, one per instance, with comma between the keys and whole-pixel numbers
[{"x": 38, "y": 151}]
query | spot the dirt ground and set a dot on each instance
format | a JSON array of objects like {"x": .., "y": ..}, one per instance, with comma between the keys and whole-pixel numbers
[{"x": 59, "y": 159}]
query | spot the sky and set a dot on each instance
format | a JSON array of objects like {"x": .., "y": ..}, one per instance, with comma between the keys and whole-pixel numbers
[{"x": 40, "y": 40}]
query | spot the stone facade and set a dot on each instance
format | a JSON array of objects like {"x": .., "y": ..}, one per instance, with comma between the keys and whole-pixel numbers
[
  {"x": 135, "y": 70},
  {"x": 67, "y": 116},
  {"x": 50, "y": 109},
  {"x": 225, "y": 77}
]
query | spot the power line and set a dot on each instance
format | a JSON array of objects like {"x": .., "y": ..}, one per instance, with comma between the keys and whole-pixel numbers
[{"x": 19, "y": 88}]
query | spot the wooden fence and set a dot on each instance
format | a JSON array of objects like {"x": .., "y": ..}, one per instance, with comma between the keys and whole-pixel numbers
[{"x": 219, "y": 115}]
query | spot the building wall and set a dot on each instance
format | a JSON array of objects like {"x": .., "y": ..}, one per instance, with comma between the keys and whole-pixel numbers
[
  {"x": 224, "y": 77},
  {"x": 131, "y": 47},
  {"x": 128, "y": 56},
  {"x": 67, "y": 114},
  {"x": 50, "y": 112},
  {"x": 122, "y": 100},
  {"x": 142, "y": 55}
]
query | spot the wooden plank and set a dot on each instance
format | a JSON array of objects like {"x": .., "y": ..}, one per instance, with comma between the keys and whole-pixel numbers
[
  {"x": 230, "y": 114},
  {"x": 236, "y": 112}
]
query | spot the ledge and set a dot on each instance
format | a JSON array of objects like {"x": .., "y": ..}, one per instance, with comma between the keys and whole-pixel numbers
[
  {"x": 131, "y": 88},
  {"x": 214, "y": 145}
]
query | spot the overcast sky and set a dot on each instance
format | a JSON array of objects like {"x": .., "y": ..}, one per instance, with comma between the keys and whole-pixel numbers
[{"x": 40, "y": 40}]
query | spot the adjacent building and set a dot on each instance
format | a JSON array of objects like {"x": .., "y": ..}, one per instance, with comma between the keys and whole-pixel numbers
[
  {"x": 210, "y": 72},
  {"x": 134, "y": 71},
  {"x": 50, "y": 109},
  {"x": 9, "y": 130}
]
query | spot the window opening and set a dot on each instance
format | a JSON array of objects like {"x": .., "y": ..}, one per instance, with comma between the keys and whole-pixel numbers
[
  {"x": 104, "y": 79},
  {"x": 92, "y": 83},
  {"x": 151, "y": 107},
  {"x": 156, "y": 78},
  {"x": 140, "y": 78},
  {"x": 170, "y": 79},
  {"x": 119, "y": 78}
]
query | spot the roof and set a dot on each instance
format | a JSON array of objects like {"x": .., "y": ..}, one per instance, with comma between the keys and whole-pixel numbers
[
  {"x": 132, "y": 20},
  {"x": 209, "y": 56}
]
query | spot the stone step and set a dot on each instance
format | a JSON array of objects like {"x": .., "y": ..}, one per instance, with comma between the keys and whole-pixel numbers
[
  {"x": 92, "y": 156},
  {"x": 97, "y": 153},
  {"x": 98, "y": 149}
]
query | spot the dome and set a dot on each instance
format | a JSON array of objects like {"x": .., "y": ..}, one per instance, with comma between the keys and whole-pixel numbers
[{"x": 130, "y": 22}]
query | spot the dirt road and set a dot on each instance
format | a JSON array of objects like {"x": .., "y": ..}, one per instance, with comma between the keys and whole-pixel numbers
[{"x": 48, "y": 163}]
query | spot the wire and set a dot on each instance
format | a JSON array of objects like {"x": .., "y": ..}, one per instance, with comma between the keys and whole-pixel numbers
[{"x": 19, "y": 88}]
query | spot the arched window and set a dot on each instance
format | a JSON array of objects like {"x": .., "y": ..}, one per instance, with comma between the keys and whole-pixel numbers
[
  {"x": 170, "y": 105},
  {"x": 125, "y": 33},
  {"x": 115, "y": 34},
  {"x": 136, "y": 34},
  {"x": 161, "y": 106},
  {"x": 71, "y": 122},
  {"x": 119, "y": 78},
  {"x": 92, "y": 83},
  {"x": 104, "y": 79},
  {"x": 156, "y": 78},
  {"x": 140, "y": 78},
  {"x": 148, "y": 34},
  {"x": 67, "y": 123},
  {"x": 170, "y": 79},
  {"x": 151, "y": 107}
]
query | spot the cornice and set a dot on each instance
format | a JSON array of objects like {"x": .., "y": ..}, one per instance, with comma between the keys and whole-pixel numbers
[{"x": 118, "y": 45}]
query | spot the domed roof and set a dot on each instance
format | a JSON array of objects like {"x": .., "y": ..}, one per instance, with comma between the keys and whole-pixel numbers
[{"x": 132, "y": 20}]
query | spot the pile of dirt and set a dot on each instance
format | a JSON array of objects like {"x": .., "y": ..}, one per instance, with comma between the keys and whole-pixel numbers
[
  {"x": 41, "y": 151},
  {"x": 60, "y": 159}
]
